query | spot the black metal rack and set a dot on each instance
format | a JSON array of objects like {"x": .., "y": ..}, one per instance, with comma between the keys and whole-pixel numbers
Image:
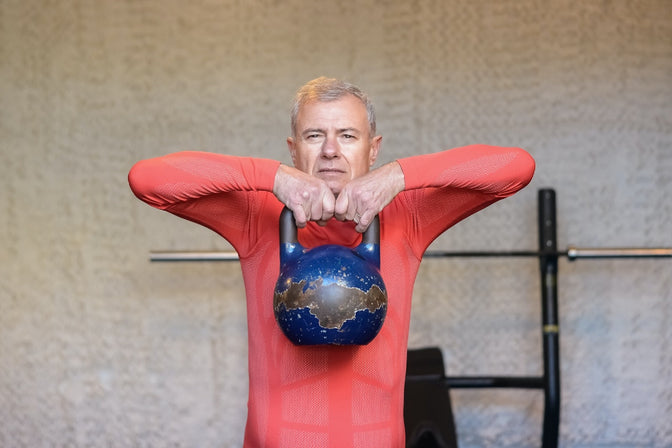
[{"x": 549, "y": 382}]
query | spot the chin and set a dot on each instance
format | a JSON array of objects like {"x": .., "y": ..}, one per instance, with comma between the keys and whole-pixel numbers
[{"x": 335, "y": 185}]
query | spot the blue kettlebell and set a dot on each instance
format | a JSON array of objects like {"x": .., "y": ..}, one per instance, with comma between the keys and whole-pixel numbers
[{"x": 329, "y": 295}]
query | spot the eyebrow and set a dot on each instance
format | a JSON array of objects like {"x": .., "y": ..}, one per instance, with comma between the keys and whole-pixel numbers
[
  {"x": 312, "y": 131},
  {"x": 322, "y": 131},
  {"x": 350, "y": 130}
]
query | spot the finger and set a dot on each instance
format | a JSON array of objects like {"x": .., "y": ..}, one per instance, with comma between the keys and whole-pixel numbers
[
  {"x": 351, "y": 213},
  {"x": 348, "y": 205},
  {"x": 300, "y": 217},
  {"x": 341, "y": 206},
  {"x": 315, "y": 210},
  {"x": 364, "y": 221},
  {"x": 328, "y": 204}
]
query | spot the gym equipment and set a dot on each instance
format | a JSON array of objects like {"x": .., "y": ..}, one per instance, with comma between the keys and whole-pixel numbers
[
  {"x": 428, "y": 411},
  {"x": 549, "y": 381},
  {"x": 329, "y": 295},
  {"x": 572, "y": 253}
]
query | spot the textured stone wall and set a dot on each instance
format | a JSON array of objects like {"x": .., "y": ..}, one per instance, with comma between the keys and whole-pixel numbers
[{"x": 99, "y": 347}]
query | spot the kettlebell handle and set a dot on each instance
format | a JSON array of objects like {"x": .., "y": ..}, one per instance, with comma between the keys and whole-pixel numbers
[{"x": 288, "y": 231}]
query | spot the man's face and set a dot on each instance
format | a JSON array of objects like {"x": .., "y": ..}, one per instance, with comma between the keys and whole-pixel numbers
[{"x": 332, "y": 141}]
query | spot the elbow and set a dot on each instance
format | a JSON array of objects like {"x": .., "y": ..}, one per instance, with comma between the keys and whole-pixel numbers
[
  {"x": 526, "y": 165},
  {"x": 519, "y": 173},
  {"x": 141, "y": 182},
  {"x": 135, "y": 179}
]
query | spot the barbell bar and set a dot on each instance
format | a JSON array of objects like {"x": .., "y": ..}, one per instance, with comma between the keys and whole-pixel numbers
[{"x": 572, "y": 253}]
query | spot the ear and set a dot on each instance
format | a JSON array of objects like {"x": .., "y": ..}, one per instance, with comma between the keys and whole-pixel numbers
[
  {"x": 373, "y": 150},
  {"x": 292, "y": 149}
]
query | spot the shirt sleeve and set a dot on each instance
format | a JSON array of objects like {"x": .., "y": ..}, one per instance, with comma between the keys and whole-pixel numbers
[
  {"x": 190, "y": 175},
  {"x": 218, "y": 191},
  {"x": 446, "y": 187},
  {"x": 491, "y": 170}
]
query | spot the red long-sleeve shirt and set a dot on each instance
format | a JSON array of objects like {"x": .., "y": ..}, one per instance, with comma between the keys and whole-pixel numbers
[{"x": 350, "y": 396}]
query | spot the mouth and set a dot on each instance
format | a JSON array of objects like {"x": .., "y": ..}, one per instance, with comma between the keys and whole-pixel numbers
[{"x": 330, "y": 171}]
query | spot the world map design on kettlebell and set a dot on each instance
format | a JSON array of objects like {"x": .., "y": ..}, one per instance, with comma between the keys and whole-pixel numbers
[
  {"x": 329, "y": 295},
  {"x": 330, "y": 313}
]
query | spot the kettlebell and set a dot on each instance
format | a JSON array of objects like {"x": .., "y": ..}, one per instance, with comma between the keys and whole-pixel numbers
[{"x": 330, "y": 294}]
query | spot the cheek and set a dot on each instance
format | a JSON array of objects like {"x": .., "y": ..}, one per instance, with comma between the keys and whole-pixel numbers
[
  {"x": 362, "y": 164},
  {"x": 303, "y": 159}
]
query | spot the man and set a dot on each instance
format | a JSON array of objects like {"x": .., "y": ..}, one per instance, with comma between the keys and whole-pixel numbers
[{"x": 350, "y": 396}]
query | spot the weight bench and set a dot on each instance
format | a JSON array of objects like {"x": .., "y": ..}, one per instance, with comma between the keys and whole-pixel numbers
[{"x": 428, "y": 413}]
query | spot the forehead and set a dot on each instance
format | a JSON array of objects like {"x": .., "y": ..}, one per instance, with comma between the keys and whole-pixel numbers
[{"x": 345, "y": 112}]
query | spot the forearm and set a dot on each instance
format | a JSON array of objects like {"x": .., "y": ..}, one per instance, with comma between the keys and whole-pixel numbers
[
  {"x": 392, "y": 178},
  {"x": 378, "y": 186}
]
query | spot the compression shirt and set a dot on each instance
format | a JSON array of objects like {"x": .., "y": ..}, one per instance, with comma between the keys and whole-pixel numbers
[{"x": 328, "y": 396}]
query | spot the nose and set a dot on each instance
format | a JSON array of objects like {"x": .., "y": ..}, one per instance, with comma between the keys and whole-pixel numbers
[{"x": 330, "y": 148}]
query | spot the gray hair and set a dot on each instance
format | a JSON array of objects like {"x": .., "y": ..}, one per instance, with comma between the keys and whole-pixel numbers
[{"x": 331, "y": 89}]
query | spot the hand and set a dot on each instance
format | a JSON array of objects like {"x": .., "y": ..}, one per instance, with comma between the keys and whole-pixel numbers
[
  {"x": 309, "y": 198},
  {"x": 364, "y": 197}
]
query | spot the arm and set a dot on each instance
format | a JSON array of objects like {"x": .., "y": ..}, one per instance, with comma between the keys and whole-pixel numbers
[
  {"x": 484, "y": 173},
  {"x": 168, "y": 181},
  {"x": 495, "y": 171},
  {"x": 446, "y": 187},
  {"x": 218, "y": 191}
]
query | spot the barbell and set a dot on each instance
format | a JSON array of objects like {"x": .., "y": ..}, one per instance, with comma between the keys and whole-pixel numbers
[{"x": 572, "y": 253}]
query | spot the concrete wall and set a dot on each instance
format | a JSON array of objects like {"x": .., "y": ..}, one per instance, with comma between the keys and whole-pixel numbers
[{"x": 99, "y": 347}]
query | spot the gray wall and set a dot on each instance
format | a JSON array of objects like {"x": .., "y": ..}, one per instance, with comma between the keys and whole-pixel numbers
[{"x": 99, "y": 347}]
